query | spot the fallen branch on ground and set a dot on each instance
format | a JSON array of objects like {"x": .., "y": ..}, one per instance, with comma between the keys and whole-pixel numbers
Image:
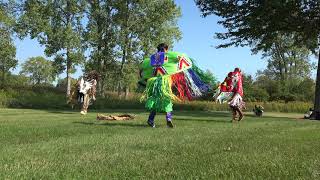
[{"x": 114, "y": 117}]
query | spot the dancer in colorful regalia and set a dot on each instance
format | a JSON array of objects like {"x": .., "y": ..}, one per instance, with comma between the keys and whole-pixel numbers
[
  {"x": 84, "y": 91},
  {"x": 169, "y": 76},
  {"x": 231, "y": 91},
  {"x": 224, "y": 91}
]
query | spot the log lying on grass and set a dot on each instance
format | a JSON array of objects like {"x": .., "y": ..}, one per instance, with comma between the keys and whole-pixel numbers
[{"x": 114, "y": 118}]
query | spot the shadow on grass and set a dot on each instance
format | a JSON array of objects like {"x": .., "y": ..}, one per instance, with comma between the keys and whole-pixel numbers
[
  {"x": 202, "y": 114},
  {"x": 204, "y": 120},
  {"x": 218, "y": 116},
  {"x": 112, "y": 124},
  {"x": 270, "y": 117},
  {"x": 62, "y": 112},
  {"x": 110, "y": 111},
  {"x": 207, "y": 116}
]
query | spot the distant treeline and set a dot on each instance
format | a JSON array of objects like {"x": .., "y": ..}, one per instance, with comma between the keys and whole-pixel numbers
[
  {"x": 44, "y": 96},
  {"x": 117, "y": 35}
]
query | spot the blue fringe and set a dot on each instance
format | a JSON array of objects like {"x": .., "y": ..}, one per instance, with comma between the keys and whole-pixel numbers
[{"x": 198, "y": 82}]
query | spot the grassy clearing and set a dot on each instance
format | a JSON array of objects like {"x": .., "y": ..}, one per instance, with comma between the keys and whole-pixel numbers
[{"x": 38, "y": 144}]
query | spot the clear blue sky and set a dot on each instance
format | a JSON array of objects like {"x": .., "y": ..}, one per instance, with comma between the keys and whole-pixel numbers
[{"x": 197, "y": 41}]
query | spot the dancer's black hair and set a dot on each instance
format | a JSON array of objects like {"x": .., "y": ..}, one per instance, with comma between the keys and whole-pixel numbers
[{"x": 162, "y": 47}]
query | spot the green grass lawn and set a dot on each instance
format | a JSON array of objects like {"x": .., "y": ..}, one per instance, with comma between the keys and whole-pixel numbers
[{"x": 38, "y": 144}]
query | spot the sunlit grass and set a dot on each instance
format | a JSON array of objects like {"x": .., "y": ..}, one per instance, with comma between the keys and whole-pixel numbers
[{"x": 42, "y": 144}]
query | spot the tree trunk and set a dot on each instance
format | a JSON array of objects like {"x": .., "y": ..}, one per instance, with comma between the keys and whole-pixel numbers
[
  {"x": 119, "y": 89},
  {"x": 68, "y": 73},
  {"x": 99, "y": 87},
  {"x": 127, "y": 92},
  {"x": 3, "y": 78},
  {"x": 68, "y": 16},
  {"x": 280, "y": 60},
  {"x": 124, "y": 46},
  {"x": 100, "y": 45},
  {"x": 102, "y": 80},
  {"x": 317, "y": 92}
]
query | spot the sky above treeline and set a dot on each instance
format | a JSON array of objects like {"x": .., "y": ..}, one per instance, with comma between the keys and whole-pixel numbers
[{"x": 197, "y": 42}]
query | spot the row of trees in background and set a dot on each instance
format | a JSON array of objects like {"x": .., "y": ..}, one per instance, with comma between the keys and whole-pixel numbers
[
  {"x": 287, "y": 76},
  {"x": 260, "y": 25},
  {"x": 113, "y": 36},
  {"x": 109, "y": 36},
  {"x": 263, "y": 88}
]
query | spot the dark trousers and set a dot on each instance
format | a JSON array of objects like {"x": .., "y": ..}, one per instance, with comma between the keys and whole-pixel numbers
[{"x": 153, "y": 115}]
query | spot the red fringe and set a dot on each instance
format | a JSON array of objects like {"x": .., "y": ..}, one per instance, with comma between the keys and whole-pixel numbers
[{"x": 179, "y": 81}]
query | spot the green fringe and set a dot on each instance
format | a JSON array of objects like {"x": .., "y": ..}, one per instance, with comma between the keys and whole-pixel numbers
[{"x": 158, "y": 94}]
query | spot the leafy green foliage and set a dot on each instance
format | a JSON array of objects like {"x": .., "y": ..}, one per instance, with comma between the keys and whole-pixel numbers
[
  {"x": 7, "y": 56},
  {"x": 34, "y": 97},
  {"x": 264, "y": 88},
  {"x": 7, "y": 49},
  {"x": 63, "y": 83},
  {"x": 160, "y": 24},
  {"x": 135, "y": 40},
  {"x": 57, "y": 25},
  {"x": 253, "y": 92},
  {"x": 120, "y": 33},
  {"x": 39, "y": 70},
  {"x": 100, "y": 37},
  {"x": 287, "y": 61},
  {"x": 258, "y": 23},
  {"x": 46, "y": 96},
  {"x": 287, "y": 72},
  {"x": 19, "y": 81}
]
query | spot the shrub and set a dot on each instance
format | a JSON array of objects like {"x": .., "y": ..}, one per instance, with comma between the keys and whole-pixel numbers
[{"x": 52, "y": 98}]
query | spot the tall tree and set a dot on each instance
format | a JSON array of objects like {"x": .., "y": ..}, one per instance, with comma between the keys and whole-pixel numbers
[
  {"x": 259, "y": 23},
  {"x": 39, "y": 70},
  {"x": 287, "y": 61},
  {"x": 160, "y": 24},
  {"x": 7, "y": 49},
  {"x": 101, "y": 38},
  {"x": 143, "y": 25},
  {"x": 57, "y": 25},
  {"x": 126, "y": 19}
]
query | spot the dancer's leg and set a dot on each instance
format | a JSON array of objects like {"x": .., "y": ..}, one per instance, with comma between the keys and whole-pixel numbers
[
  {"x": 238, "y": 109},
  {"x": 169, "y": 119},
  {"x": 234, "y": 113},
  {"x": 85, "y": 104},
  {"x": 169, "y": 116},
  {"x": 151, "y": 118}
]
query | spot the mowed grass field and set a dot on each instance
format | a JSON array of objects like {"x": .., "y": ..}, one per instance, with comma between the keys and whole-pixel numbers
[{"x": 38, "y": 144}]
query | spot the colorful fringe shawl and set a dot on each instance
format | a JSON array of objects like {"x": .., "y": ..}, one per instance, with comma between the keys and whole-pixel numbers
[
  {"x": 162, "y": 90},
  {"x": 170, "y": 76},
  {"x": 226, "y": 90}
]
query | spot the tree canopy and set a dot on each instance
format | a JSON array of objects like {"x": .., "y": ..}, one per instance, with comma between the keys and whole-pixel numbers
[
  {"x": 57, "y": 25},
  {"x": 259, "y": 24},
  {"x": 115, "y": 34},
  {"x": 287, "y": 61},
  {"x": 39, "y": 70},
  {"x": 120, "y": 33},
  {"x": 7, "y": 49}
]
